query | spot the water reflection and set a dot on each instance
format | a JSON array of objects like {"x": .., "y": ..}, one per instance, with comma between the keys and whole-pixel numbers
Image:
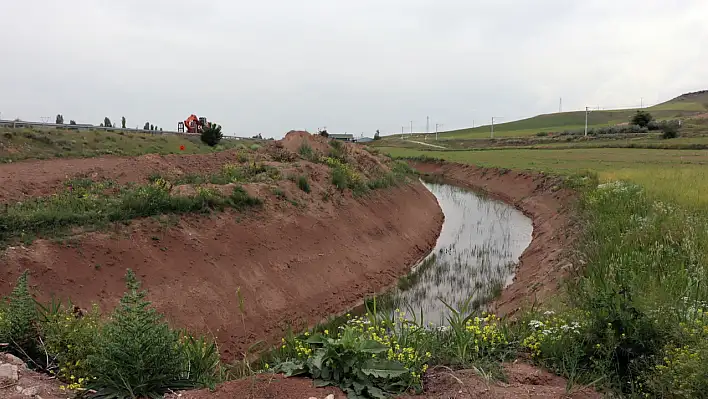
[{"x": 480, "y": 242}]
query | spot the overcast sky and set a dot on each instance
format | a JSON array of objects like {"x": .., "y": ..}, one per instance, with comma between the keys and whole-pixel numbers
[{"x": 274, "y": 65}]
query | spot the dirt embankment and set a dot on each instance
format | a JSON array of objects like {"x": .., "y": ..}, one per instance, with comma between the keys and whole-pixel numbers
[
  {"x": 543, "y": 264},
  {"x": 296, "y": 261}
]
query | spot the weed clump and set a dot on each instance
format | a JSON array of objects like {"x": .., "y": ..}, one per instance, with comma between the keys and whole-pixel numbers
[{"x": 303, "y": 184}]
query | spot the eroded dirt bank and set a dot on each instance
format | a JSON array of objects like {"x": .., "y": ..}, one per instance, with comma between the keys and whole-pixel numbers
[
  {"x": 301, "y": 256},
  {"x": 292, "y": 266},
  {"x": 542, "y": 265}
]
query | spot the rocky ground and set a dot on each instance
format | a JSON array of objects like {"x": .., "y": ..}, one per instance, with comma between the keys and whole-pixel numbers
[{"x": 18, "y": 382}]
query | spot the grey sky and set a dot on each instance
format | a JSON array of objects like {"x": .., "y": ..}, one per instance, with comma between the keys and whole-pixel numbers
[{"x": 274, "y": 65}]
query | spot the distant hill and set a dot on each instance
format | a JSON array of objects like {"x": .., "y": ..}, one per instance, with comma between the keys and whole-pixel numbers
[{"x": 682, "y": 106}]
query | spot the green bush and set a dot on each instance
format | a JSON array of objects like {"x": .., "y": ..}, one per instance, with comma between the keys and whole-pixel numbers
[
  {"x": 670, "y": 129},
  {"x": 211, "y": 134},
  {"x": 137, "y": 354},
  {"x": 641, "y": 118},
  {"x": 303, "y": 184},
  {"x": 255, "y": 147}
]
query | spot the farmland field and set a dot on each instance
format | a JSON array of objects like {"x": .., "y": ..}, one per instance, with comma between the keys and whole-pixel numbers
[
  {"x": 680, "y": 175},
  {"x": 682, "y": 106}
]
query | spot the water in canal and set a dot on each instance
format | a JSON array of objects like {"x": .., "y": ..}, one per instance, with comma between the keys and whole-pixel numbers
[{"x": 475, "y": 256}]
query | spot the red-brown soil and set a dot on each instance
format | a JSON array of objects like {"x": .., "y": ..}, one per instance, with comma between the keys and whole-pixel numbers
[
  {"x": 544, "y": 263},
  {"x": 523, "y": 381},
  {"x": 295, "y": 264}
]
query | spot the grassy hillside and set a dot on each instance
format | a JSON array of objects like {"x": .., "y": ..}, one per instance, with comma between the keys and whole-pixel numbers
[
  {"x": 19, "y": 144},
  {"x": 682, "y": 106}
]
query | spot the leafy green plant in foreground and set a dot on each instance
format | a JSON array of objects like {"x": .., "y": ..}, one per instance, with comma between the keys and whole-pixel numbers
[{"x": 365, "y": 357}]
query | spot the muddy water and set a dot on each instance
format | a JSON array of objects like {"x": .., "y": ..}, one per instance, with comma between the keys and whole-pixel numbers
[{"x": 475, "y": 256}]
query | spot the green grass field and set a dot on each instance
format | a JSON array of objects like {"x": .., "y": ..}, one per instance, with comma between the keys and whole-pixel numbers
[
  {"x": 19, "y": 144},
  {"x": 675, "y": 175},
  {"x": 682, "y": 106}
]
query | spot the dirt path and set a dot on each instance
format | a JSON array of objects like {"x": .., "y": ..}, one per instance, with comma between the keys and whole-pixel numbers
[
  {"x": 543, "y": 265},
  {"x": 429, "y": 145}
]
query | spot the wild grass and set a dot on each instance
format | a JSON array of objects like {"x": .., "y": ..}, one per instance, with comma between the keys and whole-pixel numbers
[
  {"x": 88, "y": 204},
  {"x": 19, "y": 144}
]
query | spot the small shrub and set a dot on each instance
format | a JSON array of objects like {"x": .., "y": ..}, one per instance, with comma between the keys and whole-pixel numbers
[
  {"x": 337, "y": 150},
  {"x": 22, "y": 319},
  {"x": 211, "y": 134},
  {"x": 278, "y": 192},
  {"x": 306, "y": 151},
  {"x": 255, "y": 147},
  {"x": 303, "y": 184},
  {"x": 339, "y": 178},
  {"x": 137, "y": 354},
  {"x": 670, "y": 129},
  {"x": 241, "y": 199},
  {"x": 542, "y": 134}
]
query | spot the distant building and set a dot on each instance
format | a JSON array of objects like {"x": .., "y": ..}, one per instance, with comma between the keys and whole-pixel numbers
[
  {"x": 343, "y": 137},
  {"x": 364, "y": 140}
]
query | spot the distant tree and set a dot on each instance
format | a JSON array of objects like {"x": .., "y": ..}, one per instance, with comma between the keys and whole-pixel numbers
[
  {"x": 107, "y": 122},
  {"x": 211, "y": 134},
  {"x": 72, "y": 122},
  {"x": 101, "y": 124},
  {"x": 258, "y": 136},
  {"x": 377, "y": 136},
  {"x": 152, "y": 127},
  {"x": 147, "y": 126},
  {"x": 60, "y": 119},
  {"x": 160, "y": 129},
  {"x": 323, "y": 132},
  {"x": 670, "y": 129},
  {"x": 642, "y": 118},
  {"x": 122, "y": 122}
]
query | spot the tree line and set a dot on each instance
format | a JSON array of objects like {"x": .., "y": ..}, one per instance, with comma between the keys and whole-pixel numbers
[{"x": 107, "y": 123}]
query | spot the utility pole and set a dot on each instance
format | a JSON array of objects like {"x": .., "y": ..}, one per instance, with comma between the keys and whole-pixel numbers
[
  {"x": 436, "y": 130},
  {"x": 641, "y": 102},
  {"x": 587, "y": 111},
  {"x": 411, "y": 128},
  {"x": 560, "y": 105},
  {"x": 427, "y": 125},
  {"x": 494, "y": 117}
]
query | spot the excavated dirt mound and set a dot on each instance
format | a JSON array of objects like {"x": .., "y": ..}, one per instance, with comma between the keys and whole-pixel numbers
[
  {"x": 295, "y": 139},
  {"x": 544, "y": 263}
]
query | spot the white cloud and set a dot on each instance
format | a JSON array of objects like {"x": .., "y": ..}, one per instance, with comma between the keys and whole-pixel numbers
[{"x": 272, "y": 66}]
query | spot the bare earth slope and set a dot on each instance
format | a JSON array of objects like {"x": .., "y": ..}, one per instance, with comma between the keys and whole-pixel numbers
[{"x": 295, "y": 263}]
